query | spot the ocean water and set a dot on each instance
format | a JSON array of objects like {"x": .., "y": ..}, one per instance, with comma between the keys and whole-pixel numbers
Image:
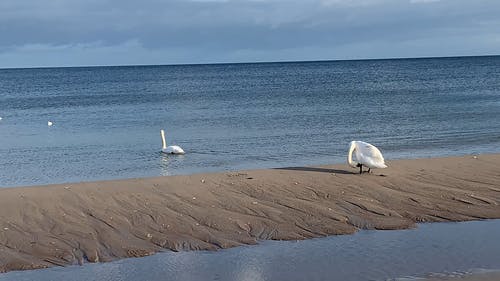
[
  {"x": 240, "y": 116},
  {"x": 439, "y": 250}
]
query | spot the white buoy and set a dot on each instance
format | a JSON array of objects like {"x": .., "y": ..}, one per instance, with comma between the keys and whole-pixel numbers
[{"x": 49, "y": 123}]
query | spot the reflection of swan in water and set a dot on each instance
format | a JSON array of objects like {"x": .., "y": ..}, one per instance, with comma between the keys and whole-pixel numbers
[
  {"x": 169, "y": 165},
  {"x": 366, "y": 155},
  {"x": 165, "y": 163},
  {"x": 172, "y": 149}
]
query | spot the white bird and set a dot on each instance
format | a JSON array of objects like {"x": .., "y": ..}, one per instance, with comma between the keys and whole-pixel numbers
[
  {"x": 49, "y": 123},
  {"x": 366, "y": 155},
  {"x": 171, "y": 149}
]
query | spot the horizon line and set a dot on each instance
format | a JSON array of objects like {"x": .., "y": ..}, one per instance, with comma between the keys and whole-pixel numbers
[{"x": 253, "y": 62}]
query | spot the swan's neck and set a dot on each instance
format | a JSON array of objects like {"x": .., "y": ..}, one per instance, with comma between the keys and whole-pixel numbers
[
  {"x": 351, "y": 163},
  {"x": 163, "y": 142}
]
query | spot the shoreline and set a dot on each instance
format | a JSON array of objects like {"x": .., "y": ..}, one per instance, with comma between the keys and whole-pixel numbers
[
  {"x": 339, "y": 164},
  {"x": 74, "y": 223}
]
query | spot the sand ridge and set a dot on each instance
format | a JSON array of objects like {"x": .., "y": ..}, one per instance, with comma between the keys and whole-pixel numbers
[{"x": 64, "y": 224}]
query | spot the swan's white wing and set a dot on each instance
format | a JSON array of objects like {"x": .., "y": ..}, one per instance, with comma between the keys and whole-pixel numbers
[
  {"x": 369, "y": 155},
  {"x": 177, "y": 149},
  {"x": 173, "y": 149}
]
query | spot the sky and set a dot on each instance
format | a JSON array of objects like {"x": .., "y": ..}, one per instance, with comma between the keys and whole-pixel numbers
[{"x": 35, "y": 33}]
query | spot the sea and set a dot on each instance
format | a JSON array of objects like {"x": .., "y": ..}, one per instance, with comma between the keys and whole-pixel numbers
[
  {"x": 107, "y": 120},
  {"x": 106, "y": 124}
]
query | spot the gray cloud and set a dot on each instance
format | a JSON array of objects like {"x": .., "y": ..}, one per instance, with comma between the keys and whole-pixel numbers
[{"x": 91, "y": 32}]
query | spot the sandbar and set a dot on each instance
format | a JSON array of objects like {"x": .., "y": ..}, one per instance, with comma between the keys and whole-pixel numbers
[{"x": 75, "y": 223}]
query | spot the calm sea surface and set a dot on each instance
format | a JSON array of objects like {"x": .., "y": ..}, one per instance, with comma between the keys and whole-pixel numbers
[{"x": 240, "y": 116}]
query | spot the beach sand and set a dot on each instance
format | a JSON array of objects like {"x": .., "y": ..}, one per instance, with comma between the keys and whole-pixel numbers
[{"x": 43, "y": 226}]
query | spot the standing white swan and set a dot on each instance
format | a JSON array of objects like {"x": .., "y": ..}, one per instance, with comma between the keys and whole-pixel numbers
[
  {"x": 172, "y": 149},
  {"x": 366, "y": 155}
]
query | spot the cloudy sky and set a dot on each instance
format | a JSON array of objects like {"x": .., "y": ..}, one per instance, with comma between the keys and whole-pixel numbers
[{"x": 125, "y": 32}]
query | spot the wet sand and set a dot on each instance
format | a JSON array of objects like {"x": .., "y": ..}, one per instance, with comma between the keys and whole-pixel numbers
[{"x": 65, "y": 224}]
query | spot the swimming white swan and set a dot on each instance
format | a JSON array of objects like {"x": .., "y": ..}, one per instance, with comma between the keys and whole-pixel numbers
[
  {"x": 49, "y": 123},
  {"x": 172, "y": 149},
  {"x": 366, "y": 155}
]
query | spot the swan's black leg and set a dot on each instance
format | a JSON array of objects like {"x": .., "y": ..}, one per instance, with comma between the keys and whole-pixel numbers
[
  {"x": 369, "y": 169},
  {"x": 360, "y": 169}
]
